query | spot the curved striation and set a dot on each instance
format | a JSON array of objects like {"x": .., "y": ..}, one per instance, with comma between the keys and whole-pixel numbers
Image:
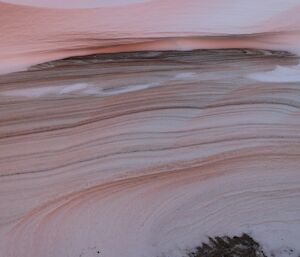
[{"x": 147, "y": 154}]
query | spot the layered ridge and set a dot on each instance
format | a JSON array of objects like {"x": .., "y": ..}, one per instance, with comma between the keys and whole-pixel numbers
[{"x": 147, "y": 154}]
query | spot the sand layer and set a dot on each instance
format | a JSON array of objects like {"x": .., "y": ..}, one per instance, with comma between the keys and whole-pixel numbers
[{"x": 145, "y": 154}]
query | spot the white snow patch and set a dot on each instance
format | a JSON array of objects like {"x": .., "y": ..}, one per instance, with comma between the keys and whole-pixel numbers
[
  {"x": 73, "y": 88},
  {"x": 185, "y": 75},
  {"x": 81, "y": 89},
  {"x": 45, "y": 91},
  {"x": 279, "y": 239},
  {"x": 278, "y": 75},
  {"x": 130, "y": 88}
]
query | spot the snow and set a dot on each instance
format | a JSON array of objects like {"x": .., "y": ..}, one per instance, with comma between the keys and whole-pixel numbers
[
  {"x": 279, "y": 75},
  {"x": 79, "y": 89}
]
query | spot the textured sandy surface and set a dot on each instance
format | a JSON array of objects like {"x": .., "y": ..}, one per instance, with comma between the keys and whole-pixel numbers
[{"x": 146, "y": 154}]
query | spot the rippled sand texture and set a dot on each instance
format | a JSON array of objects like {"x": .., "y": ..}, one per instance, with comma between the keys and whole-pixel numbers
[{"x": 145, "y": 154}]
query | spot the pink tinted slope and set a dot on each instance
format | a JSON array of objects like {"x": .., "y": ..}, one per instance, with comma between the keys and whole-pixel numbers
[{"x": 32, "y": 35}]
